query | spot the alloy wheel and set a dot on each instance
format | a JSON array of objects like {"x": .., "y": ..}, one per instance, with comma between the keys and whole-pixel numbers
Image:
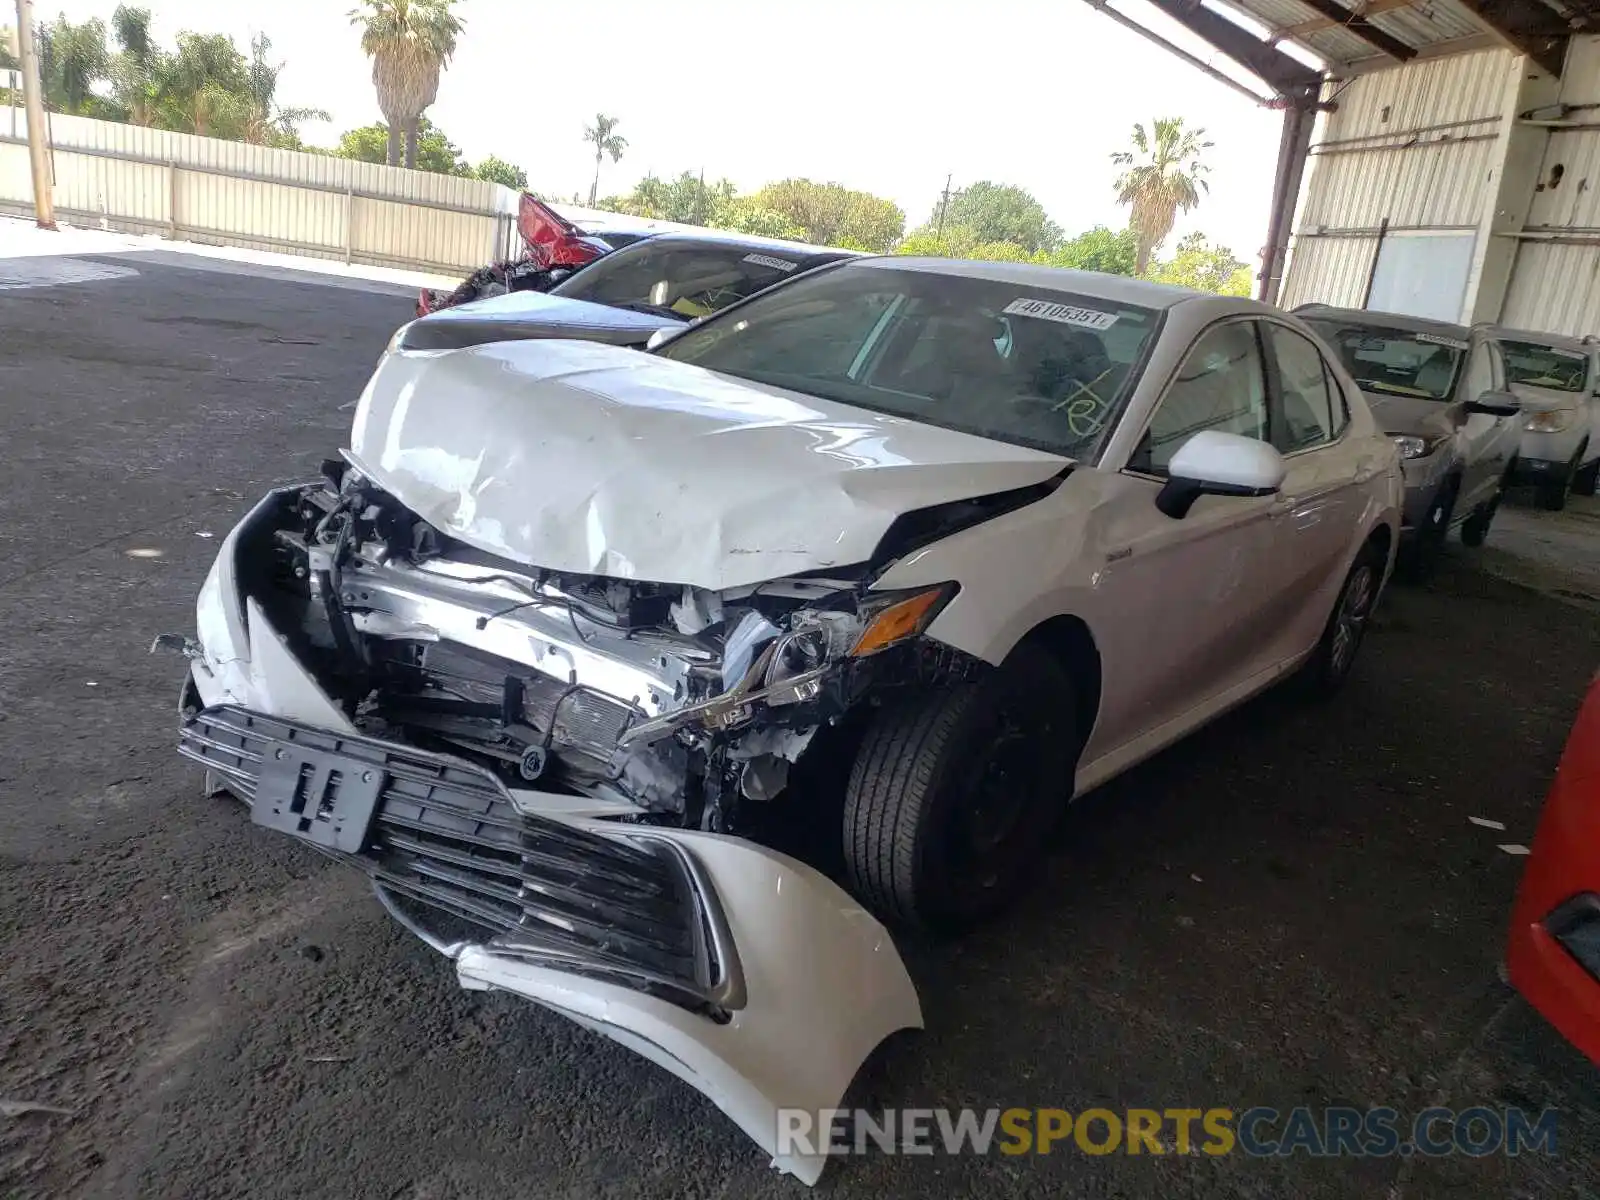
[{"x": 1349, "y": 622}]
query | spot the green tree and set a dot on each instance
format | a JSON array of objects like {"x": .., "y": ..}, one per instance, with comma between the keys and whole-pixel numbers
[
  {"x": 205, "y": 87},
  {"x": 1163, "y": 175},
  {"x": 435, "y": 152},
  {"x": 1205, "y": 268},
  {"x": 828, "y": 212},
  {"x": 1109, "y": 251},
  {"x": 1001, "y": 212},
  {"x": 744, "y": 215},
  {"x": 498, "y": 170},
  {"x": 72, "y": 60},
  {"x": 687, "y": 199},
  {"x": 605, "y": 139},
  {"x": 410, "y": 43},
  {"x": 140, "y": 67},
  {"x": 269, "y": 123},
  {"x": 959, "y": 241}
]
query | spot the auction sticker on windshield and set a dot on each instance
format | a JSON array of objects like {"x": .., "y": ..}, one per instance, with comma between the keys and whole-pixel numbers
[
  {"x": 766, "y": 260},
  {"x": 1067, "y": 314}
]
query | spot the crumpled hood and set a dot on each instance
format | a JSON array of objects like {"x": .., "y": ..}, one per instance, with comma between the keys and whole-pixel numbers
[
  {"x": 1405, "y": 414},
  {"x": 587, "y": 458},
  {"x": 531, "y": 315}
]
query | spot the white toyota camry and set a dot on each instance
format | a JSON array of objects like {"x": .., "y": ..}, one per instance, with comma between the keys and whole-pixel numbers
[{"x": 567, "y": 623}]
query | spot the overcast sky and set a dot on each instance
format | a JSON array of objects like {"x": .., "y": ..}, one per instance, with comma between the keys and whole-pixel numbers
[{"x": 884, "y": 95}]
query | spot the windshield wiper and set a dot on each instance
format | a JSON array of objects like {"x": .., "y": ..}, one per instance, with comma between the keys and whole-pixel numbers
[
  {"x": 1397, "y": 389},
  {"x": 654, "y": 310}
]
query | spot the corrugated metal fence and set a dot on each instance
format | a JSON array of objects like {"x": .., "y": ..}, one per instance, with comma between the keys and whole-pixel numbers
[{"x": 206, "y": 190}]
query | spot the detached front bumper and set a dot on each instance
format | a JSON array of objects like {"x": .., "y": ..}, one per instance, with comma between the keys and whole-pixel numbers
[{"x": 745, "y": 973}]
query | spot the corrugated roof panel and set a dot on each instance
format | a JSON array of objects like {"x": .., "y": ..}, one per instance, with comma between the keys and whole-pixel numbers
[{"x": 1421, "y": 24}]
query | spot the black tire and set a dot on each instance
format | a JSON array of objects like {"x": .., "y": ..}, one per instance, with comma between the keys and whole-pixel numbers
[
  {"x": 952, "y": 793},
  {"x": 1553, "y": 495},
  {"x": 1585, "y": 481},
  {"x": 1420, "y": 559},
  {"x": 1475, "y": 529},
  {"x": 1330, "y": 664}
]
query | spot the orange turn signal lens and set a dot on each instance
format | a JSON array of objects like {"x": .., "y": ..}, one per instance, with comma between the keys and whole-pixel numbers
[{"x": 901, "y": 620}]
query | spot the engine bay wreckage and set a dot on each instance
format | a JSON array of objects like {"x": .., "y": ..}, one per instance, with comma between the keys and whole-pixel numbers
[{"x": 531, "y": 666}]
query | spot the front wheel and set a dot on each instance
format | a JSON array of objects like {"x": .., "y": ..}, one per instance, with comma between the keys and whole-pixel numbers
[
  {"x": 1330, "y": 664},
  {"x": 1583, "y": 483},
  {"x": 1475, "y": 529},
  {"x": 1420, "y": 559},
  {"x": 953, "y": 791}
]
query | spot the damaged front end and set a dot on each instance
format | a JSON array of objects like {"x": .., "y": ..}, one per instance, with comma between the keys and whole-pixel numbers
[
  {"x": 538, "y": 771},
  {"x": 666, "y": 702}
]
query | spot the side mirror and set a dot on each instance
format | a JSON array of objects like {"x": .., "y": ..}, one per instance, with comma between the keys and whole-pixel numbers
[
  {"x": 1494, "y": 404},
  {"x": 1219, "y": 464},
  {"x": 663, "y": 335}
]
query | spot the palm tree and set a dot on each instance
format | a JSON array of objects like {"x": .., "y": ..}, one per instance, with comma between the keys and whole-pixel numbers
[
  {"x": 1166, "y": 178},
  {"x": 270, "y": 124},
  {"x": 606, "y": 141},
  {"x": 72, "y": 59},
  {"x": 410, "y": 43},
  {"x": 138, "y": 68}
]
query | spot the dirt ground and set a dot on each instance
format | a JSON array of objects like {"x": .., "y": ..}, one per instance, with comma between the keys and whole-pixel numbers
[{"x": 1289, "y": 908}]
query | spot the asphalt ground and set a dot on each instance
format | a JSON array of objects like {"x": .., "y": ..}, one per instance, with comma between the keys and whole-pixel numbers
[{"x": 1290, "y": 908}]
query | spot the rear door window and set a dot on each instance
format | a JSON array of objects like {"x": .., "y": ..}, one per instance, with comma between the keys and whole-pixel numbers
[{"x": 1306, "y": 403}]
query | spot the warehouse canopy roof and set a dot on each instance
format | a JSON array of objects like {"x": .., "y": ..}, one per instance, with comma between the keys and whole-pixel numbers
[{"x": 1352, "y": 36}]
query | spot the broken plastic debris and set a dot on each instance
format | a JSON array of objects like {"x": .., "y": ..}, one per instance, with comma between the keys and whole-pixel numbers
[
  {"x": 1513, "y": 848},
  {"x": 204, "y": 533},
  {"x": 1487, "y": 823},
  {"x": 17, "y": 1108},
  {"x": 91, "y": 683},
  {"x": 143, "y": 552}
]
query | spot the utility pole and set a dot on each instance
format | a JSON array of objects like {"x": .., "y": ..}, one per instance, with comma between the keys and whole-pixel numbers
[
  {"x": 944, "y": 201},
  {"x": 44, "y": 209}
]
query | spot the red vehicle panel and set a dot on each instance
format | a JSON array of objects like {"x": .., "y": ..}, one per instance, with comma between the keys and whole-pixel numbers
[
  {"x": 1554, "y": 947},
  {"x": 550, "y": 243}
]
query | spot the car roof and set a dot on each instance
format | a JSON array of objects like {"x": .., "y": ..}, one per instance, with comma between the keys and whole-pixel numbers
[
  {"x": 1384, "y": 320},
  {"x": 1119, "y": 289},
  {"x": 1559, "y": 341}
]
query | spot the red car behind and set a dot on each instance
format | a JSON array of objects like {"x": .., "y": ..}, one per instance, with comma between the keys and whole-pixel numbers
[{"x": 1554, "y": 945}]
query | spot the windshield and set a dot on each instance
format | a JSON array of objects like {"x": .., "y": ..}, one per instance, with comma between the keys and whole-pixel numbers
[
  {"x": 1546, "y": 367},
  {"x": 677, "y": 280},
  {"x": 1395, "y": 361},
  {"x": 1019, "y": 363}
]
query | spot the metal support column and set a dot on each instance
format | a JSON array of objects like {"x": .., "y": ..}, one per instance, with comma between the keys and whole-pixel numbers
[
  {"x": 1299, "y": 118},
  {"x": 44, "y": 211}
]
